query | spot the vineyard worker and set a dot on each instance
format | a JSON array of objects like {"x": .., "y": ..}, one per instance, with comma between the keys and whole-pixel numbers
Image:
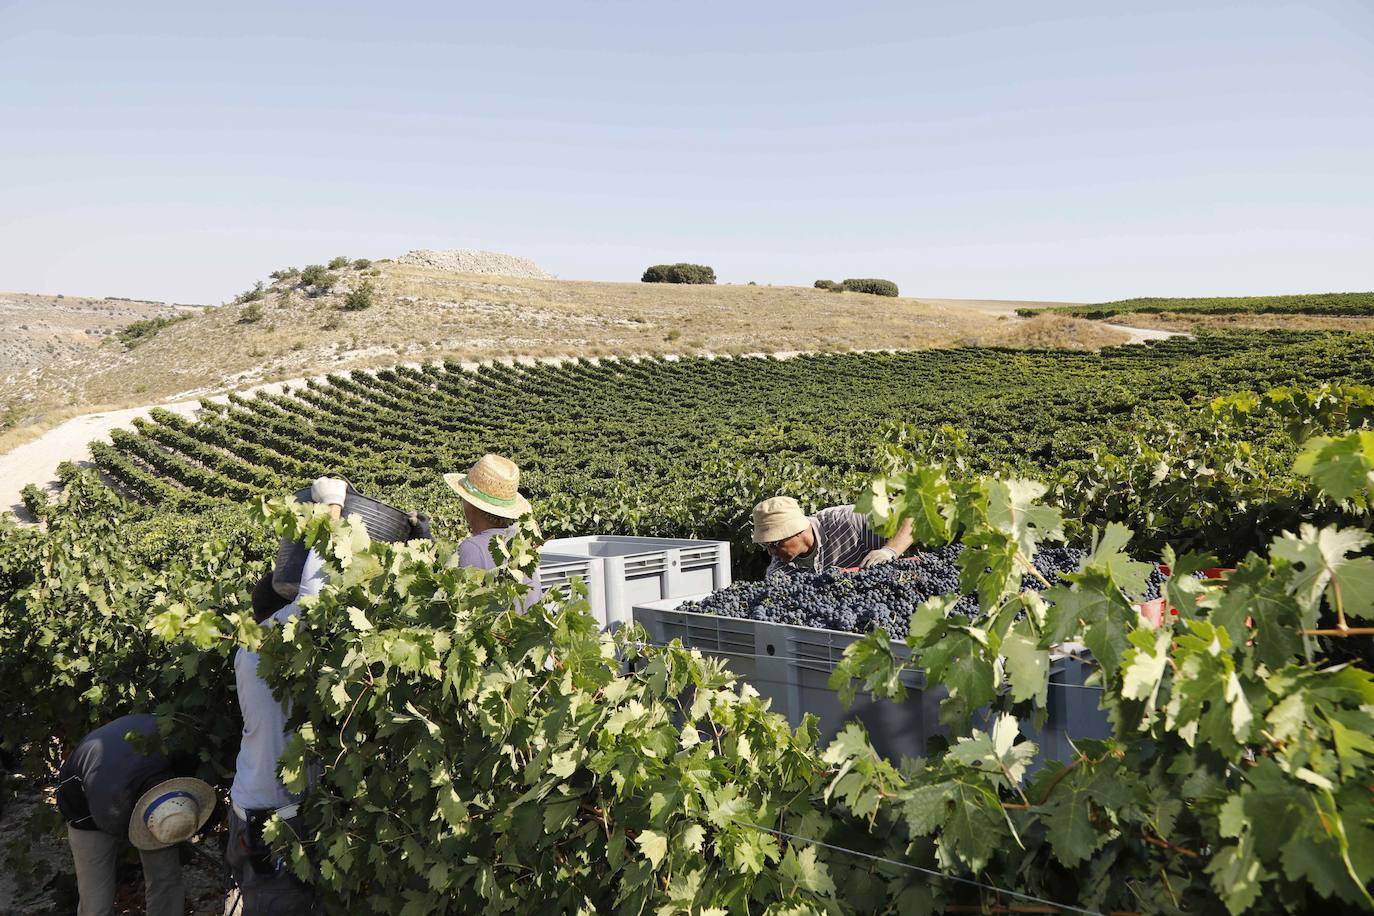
[
  {"x": 266, "y": 883},
  {"x": 491, "y": 503},
  {"x": 837, "y": 536},
  {"x": 107, "y": 790}
]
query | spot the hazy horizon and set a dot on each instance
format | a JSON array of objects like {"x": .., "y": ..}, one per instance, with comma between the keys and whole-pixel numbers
[{"x": 1072, "y": 151}]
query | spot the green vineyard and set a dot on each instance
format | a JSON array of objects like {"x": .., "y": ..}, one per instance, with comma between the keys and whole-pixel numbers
[
  {"x": 684, "y": 448},
  {"x": 460, "y": 757},
  {"x": 1330, "y": 304}
]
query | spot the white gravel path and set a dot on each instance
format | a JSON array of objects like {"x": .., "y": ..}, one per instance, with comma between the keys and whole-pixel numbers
[
  {"x": 37, "y": 461},
  {"x": 1140, "y": 335}
]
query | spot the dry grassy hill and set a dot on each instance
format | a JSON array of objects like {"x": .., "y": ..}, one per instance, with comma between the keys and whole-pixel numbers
[{"x": 420, "y": 313}]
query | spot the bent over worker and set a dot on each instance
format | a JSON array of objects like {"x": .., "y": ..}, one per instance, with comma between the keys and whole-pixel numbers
[
  {"x": 838, "y": 536},
  {"x": 108, "y": 791}
]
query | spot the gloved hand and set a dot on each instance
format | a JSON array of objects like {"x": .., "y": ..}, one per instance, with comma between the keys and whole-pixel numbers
[
  {"x": 329, "y": 491},
  {"x": 419, "y": 527},
  {"x": 878, "y": 557}
]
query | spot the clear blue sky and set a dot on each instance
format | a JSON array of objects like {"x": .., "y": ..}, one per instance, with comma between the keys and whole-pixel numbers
[{"x": 1054, "y": 150}]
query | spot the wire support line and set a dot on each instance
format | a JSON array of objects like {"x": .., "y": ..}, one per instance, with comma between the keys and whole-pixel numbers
[{"x": 1064, "y": 907}]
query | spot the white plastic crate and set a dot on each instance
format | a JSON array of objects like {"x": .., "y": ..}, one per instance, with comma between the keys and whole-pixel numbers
[
  {"x": 560, "y": 569},
  {"x": 637, "y": 570}
]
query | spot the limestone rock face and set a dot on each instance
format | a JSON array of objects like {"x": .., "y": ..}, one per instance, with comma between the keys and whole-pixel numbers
[{"x": 472, "y": 261}]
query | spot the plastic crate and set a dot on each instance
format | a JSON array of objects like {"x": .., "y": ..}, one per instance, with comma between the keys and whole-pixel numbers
[
  {"x": 791, "y": 666},
  {"x": 637, "y": 570},
  {"x": 559, "y": 570}
]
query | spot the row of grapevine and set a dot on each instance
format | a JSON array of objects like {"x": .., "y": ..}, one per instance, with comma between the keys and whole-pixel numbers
[
  {"x": 472, "y": 758},
  {"x": 683, "y": 447}
]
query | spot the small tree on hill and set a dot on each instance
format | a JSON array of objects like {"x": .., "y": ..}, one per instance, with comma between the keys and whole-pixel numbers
[
  {"x": 872, "y": 286},
  {"x": 679, "y": 273},
  {"x": 361, "y": 297}
]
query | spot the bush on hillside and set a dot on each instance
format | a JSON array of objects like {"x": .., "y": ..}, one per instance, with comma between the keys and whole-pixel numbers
[
  {"x": 359, "y": 298},
  {"x": 872, "y": 286},
  {"x": 251, "y": 313},
  {"x": 318, "y": 277},
  {"x": 286, "y": 273},
  {"x": 679, "y": 273},
  {"x": 338, "y": 263},
  {"x": 252, "y": 295},
  {"x": 828, "y": 284},
  {"x": 140, "y": 331},
  {"x": 362, "y": 264}
]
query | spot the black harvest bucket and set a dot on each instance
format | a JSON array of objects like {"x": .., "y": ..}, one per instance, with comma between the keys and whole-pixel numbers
[{"x": 382, "y": 521}]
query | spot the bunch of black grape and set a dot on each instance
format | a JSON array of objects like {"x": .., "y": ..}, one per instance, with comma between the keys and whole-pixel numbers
[{"x": 881, "y": 597}]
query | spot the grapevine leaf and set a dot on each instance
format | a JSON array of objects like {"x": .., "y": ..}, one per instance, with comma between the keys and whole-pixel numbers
[
  {"x": 1237, "y": 874},
  {"x": 654, "y": 845},
  {"x": 1323, "y": 564},
  {"x": 925, "y": 808},
  {"x": 1343, "y": 467},
  {"x": 1013, "y": 509},
  {"x": 1027, "y": 665}
]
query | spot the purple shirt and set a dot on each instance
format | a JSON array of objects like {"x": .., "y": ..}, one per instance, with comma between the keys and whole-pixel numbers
[{"x": 475, "y": 553}]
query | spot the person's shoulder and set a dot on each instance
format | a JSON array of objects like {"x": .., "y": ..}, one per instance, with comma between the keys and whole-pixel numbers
[{"x": 832, "y": 512}]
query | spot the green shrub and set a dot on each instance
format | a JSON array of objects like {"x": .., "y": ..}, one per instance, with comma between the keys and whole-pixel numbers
[
  {"x": 679, "y": 273},
  {"x": 362, "y": 264},
  {"x": 317, "y": 277},
  {"x": 286, "y": 273},
  {"x": 871, "y": 285},
  {"x": 338, "y": 263},
  {"x": 251, "y": 313},
  {"x": 252, "y": 295},
  {"x": 139, "y": 331},
  {"x": 828, "y": 284},
  {"x": 359, "y": 298}
]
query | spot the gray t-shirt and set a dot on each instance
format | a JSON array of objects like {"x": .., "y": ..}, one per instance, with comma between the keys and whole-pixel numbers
[
  {"x": 843, "y": 538},
  {"x": 265, "y": 735},
  {"x": 475, "y": 552},
  {"x": 103, "y": 779}
]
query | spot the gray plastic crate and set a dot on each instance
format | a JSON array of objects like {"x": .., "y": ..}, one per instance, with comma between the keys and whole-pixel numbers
[
  {"x": 792, "y": 665},
  {"x": 637, "y": 570},
  {"x": 559, "y": 570}
]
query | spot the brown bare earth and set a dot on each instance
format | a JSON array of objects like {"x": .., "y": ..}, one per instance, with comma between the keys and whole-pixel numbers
[{"x": 423, "y": 314}]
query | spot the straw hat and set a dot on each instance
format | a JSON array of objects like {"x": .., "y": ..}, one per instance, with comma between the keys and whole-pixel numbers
[
  {"x": 778, "y": 518},
  {"x": 171, "y": 812},
  {"x": 492, "y": 485}
]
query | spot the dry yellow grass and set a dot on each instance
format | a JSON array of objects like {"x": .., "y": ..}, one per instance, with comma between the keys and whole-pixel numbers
[
  {"x": 423, "y": 315},
  {"x": 1055, "y": 332}
]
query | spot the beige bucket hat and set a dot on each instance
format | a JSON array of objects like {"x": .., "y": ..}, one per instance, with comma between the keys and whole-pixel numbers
[
  {"x": 778, "y": 518},
  {"x": 170, "y": 813},
  {"x": 492, "y": 485}
]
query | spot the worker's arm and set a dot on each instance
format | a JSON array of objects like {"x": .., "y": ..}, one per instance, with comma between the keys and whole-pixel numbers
[
  {"x": 893, "y": 548},
  {"x": 330, "y": 491},
  {"x": 900, "y": 542}
]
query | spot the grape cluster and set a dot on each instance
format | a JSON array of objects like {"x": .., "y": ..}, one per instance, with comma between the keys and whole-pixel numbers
[{"x": 881, "y": 597}]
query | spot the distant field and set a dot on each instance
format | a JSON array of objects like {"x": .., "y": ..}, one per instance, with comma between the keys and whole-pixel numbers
[{"x": 1310, "y": 304}]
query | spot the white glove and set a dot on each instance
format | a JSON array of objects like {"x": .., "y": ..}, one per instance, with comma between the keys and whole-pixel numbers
[
  {"x": 878, "y": 557},
  {"x": 329, "y": 491}
]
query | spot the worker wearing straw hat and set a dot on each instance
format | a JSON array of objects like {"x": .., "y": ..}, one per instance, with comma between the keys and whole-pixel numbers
[
  {"x": 492, "y": 501},
  {"x": 838, "y": 536},
  {"x": 108, "y": 790}
]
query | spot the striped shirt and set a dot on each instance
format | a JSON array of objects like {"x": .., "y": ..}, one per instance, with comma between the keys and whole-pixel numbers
[{"x": 843, "y": 538}]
